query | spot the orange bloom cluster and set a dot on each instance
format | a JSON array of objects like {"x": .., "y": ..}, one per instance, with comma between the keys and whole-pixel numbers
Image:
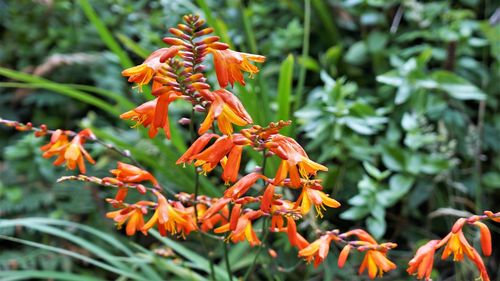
[{"x": 455, "y": 243}]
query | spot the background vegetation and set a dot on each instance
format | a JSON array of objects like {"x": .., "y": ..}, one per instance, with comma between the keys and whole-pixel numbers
[{"x": 399, "y": 99}]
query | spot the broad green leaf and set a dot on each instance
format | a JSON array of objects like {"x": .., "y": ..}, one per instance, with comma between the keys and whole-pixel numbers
[{"x": 457, "y": 87}]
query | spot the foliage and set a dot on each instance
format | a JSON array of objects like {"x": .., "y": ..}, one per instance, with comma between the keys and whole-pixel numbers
[{"x": 400, "y": 102}]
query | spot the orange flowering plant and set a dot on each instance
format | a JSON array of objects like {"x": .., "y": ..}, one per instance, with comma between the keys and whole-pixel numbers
[{"x": 278, "y": 200}]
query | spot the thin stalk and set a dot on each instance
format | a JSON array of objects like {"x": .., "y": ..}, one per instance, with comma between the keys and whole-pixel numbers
[
  {"x": 305, "y": 53},
  {"x": 228, "y": 265},
  {"x": 261, "y": 246}
]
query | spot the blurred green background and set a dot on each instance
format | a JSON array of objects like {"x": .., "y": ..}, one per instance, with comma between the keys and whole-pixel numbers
[{"x": 398, "y": 98}]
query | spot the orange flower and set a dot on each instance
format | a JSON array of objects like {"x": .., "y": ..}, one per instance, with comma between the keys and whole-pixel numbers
[
  {"x": 70, "y": 152},
  {"x": 228, "y": 110},
  {"x": 457, "y": 244},
  {"x": 224, "y": 150},
  {"x": 57, "y": 146},
  {"x": 485, "y": 238},
  {"x": 242, "y": 186},
  {"x": 130, "y": 173},
  {"x": 295, "y": 161},
  {"x": 422, "y": 263},
  {"x": 142, "y": 74},
  {"x": 293, "y": 236},
  {"x": 196, "y": 148},
  {"x": 317, "y": 250},
  {"x": 229, "y": 64},
  {"x": 153, "y": 114},
  {"x": 318, "y": 198},
  {"x": 134, "y": 214},
  {"x": 376, "y": 261},
  {"x": 243, "y": 229},
  {"x": 170, "y": 219}
]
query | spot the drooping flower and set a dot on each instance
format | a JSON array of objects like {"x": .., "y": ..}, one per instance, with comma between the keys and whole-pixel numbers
[
  {"x": 227, "y": 110},
  {"x": 72, "y": 153},
  {"x": 143, "y": 73},
  {"x": 133, "y": 215},
  {"x": 294, "y": 237},
  {"x": 295, "y": 161},
  {"x": 170, "y": 219},
  {"x": 128, "y": 173},
  {"x": 485, "y": 238},
  {"x": 153, "y": 114},
  {"x": 197, "y": 146},
  {"x": 376, "y": 263},
  {"x": 317, "y": 250},
  {"x": 243, "y": 229},
  {"x": 311, "y": 195},
  {"x": 223, "y": 151},
  {"x": 422, "y": 263},
  {"x": 229, "y": 64},
  {"x": 375, "y": 260}
]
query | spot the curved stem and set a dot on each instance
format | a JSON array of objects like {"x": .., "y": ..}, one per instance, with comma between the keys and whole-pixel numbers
[{"x": 228, "y": 265}]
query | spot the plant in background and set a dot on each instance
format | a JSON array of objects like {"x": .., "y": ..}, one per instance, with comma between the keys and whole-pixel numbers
[{"x": 177, "y": 73}]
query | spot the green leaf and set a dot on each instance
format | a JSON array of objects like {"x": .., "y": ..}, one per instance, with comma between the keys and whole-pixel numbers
[
  {"x": 401, "y": 183},
  {"x": 374, "y": 172},
  {"x": 394, "y": 158},
  {"x": 201, "y": 262},
  {"x": 62, "y": 89},
  {"x": 376, "y": 227},
  {"x": 285, "y": 91},
  {"x": 131, "y": 45},
  {"x": 355, "y": 213},
  {"x": 75, "y": 255},
  {"x": 105, "y": 34},
  {"x": 46, "y": 275},
  {"x": 457, "y": 87}
]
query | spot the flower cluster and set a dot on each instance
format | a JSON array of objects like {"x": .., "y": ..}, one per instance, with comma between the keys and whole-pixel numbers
[
  {"x": 455, "y": 243},
  {"x": 176, "y": 72}
]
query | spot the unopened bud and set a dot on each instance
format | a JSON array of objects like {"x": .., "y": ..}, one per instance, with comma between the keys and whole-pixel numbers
[
  {"x": 219, "y": 46},
  {"x": 184, "y": 121},
  {"x": 173, "y": 41},
  {"x": 205, "y": 31},
  {"x": 199, "y": 108}
]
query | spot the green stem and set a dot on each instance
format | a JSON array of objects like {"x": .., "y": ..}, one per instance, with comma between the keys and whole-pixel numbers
[
  {"x": 305, "y": 53},
  {"x": 261, "y": 246},
  {"x": 228, "y": 265}
]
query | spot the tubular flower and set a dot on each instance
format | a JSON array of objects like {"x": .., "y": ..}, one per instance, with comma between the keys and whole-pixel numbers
[
  {"x": 153, "y": 114},
  {"x": 294, "y": 161},
  {"x": 318, "y": 198},
  {"x": 243, "y": 229},
  {"x": 485, "y": 238},
  {"x": 294, "y": 237},
  {"x": 229, "y": 64},
  {"x": 70, "y": 152},
  {"x": 129, "y": 173},
  {"x": 227, "y": 110},
  {"x": 196, "y": 148},
  {"x": 224, "y": 150},
  {"x": 422, "y": 263},
  {"x": 134, "y": 214},
  {"x": 317, "y": 250},
  {"x": 376, "y": 261},
  {"x": 142, "y": 74},
  {"x": 242, "y": 186},
  {"x": 170, "y": 219}
]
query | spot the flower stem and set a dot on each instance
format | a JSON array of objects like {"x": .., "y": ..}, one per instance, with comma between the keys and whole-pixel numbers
[
  {"x": 261, "y": 246},
  {"x": 228, "y": 265}
]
